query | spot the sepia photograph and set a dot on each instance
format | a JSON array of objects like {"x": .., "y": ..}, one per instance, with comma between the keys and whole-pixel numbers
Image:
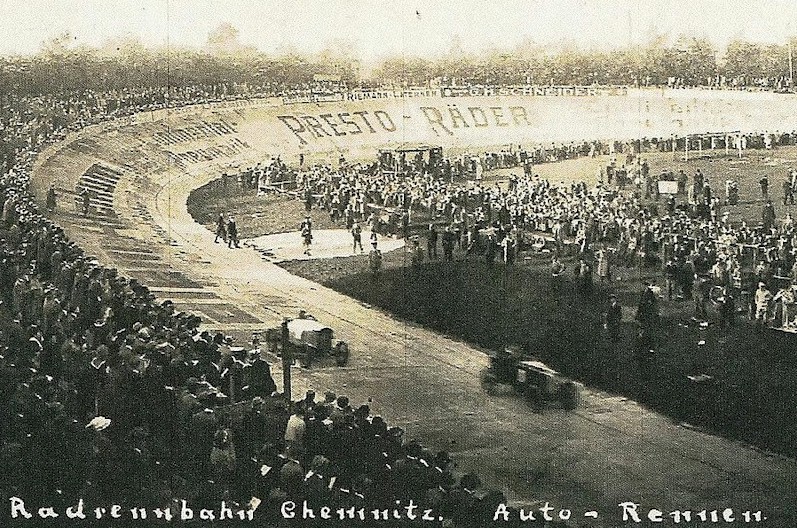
[{"x": 340, "y": 263}]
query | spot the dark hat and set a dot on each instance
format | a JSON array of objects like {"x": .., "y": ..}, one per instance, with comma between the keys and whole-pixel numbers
[
  {"x": 395, "y": 431},
  {"x": 208, "y": 396},
  {"x": 442, "y": 457},
  {"x": 470, "y": 481}
]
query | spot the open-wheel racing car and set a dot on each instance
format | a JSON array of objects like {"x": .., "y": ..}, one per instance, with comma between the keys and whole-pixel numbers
[
  {"x": 309, "y": 341},
  {"x": 528, "y": 376}
]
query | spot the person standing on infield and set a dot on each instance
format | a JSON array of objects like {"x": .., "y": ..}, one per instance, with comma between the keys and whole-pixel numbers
[
  {"x": 232, "y": 232},
  {"x": 375, "y": 260},
  {"x": 221, "y": 229},
  {"x": 306, "y": 229},
  {"x": 357, "y": 235}
]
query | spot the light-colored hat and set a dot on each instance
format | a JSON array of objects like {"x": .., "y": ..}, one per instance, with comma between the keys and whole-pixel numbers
[{"x": 99, "y": 423}]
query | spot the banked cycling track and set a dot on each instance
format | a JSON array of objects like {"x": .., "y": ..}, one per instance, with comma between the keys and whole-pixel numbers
[{"x": 608, "y": 451}]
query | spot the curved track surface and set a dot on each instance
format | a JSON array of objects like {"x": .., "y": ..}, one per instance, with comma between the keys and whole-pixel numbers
[{"x": 609, "y": 451}]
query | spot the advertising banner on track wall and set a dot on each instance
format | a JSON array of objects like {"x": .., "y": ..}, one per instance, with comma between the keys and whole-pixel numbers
[{"x": 495, "y": 120}]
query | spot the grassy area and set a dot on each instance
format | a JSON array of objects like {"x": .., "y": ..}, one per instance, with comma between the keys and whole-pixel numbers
[
  {"x": 254, "y": 215},
  {"x": 751, "y": 394},
  {"x": 266, "y": 215}
]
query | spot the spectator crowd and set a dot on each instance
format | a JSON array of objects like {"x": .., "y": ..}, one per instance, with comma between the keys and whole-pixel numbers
[
  {"x": 624, "y": 220},
  {"x": 113, "y": 397}
]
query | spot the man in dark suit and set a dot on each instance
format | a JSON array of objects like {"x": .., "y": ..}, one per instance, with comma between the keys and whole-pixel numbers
[
  {"x": 356, "y": 235},
  {"x": 557, "y": 270},
  {"x": 648, "y": 309},
  {"x": 449, "y": 239},
  {"x": 221, "y": 229},
  {"x": 375, "y": 260},
  {"x": 431, "y": 242},
  {"x": 232, "y": 232},
  {"x": 768, "y": 216},
  {"x": 51, "y": 198},
  {"x": 612, "y": 318}
]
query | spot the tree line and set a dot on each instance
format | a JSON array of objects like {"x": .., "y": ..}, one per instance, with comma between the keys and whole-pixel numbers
[{"x": 687, "y": 62}]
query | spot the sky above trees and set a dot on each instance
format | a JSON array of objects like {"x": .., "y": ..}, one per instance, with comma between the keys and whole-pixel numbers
[{"x": 373, "y": 30}]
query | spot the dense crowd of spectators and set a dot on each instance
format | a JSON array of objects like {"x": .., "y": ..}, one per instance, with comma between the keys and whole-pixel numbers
[
  {"x": 112, "y": 397},
  {"x": 622, "y": 221}
]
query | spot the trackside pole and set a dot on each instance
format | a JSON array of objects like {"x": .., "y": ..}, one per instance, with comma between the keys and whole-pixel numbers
[
  {"x": 286, "y": 361},
  {"x": 686, "y": 148}
]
